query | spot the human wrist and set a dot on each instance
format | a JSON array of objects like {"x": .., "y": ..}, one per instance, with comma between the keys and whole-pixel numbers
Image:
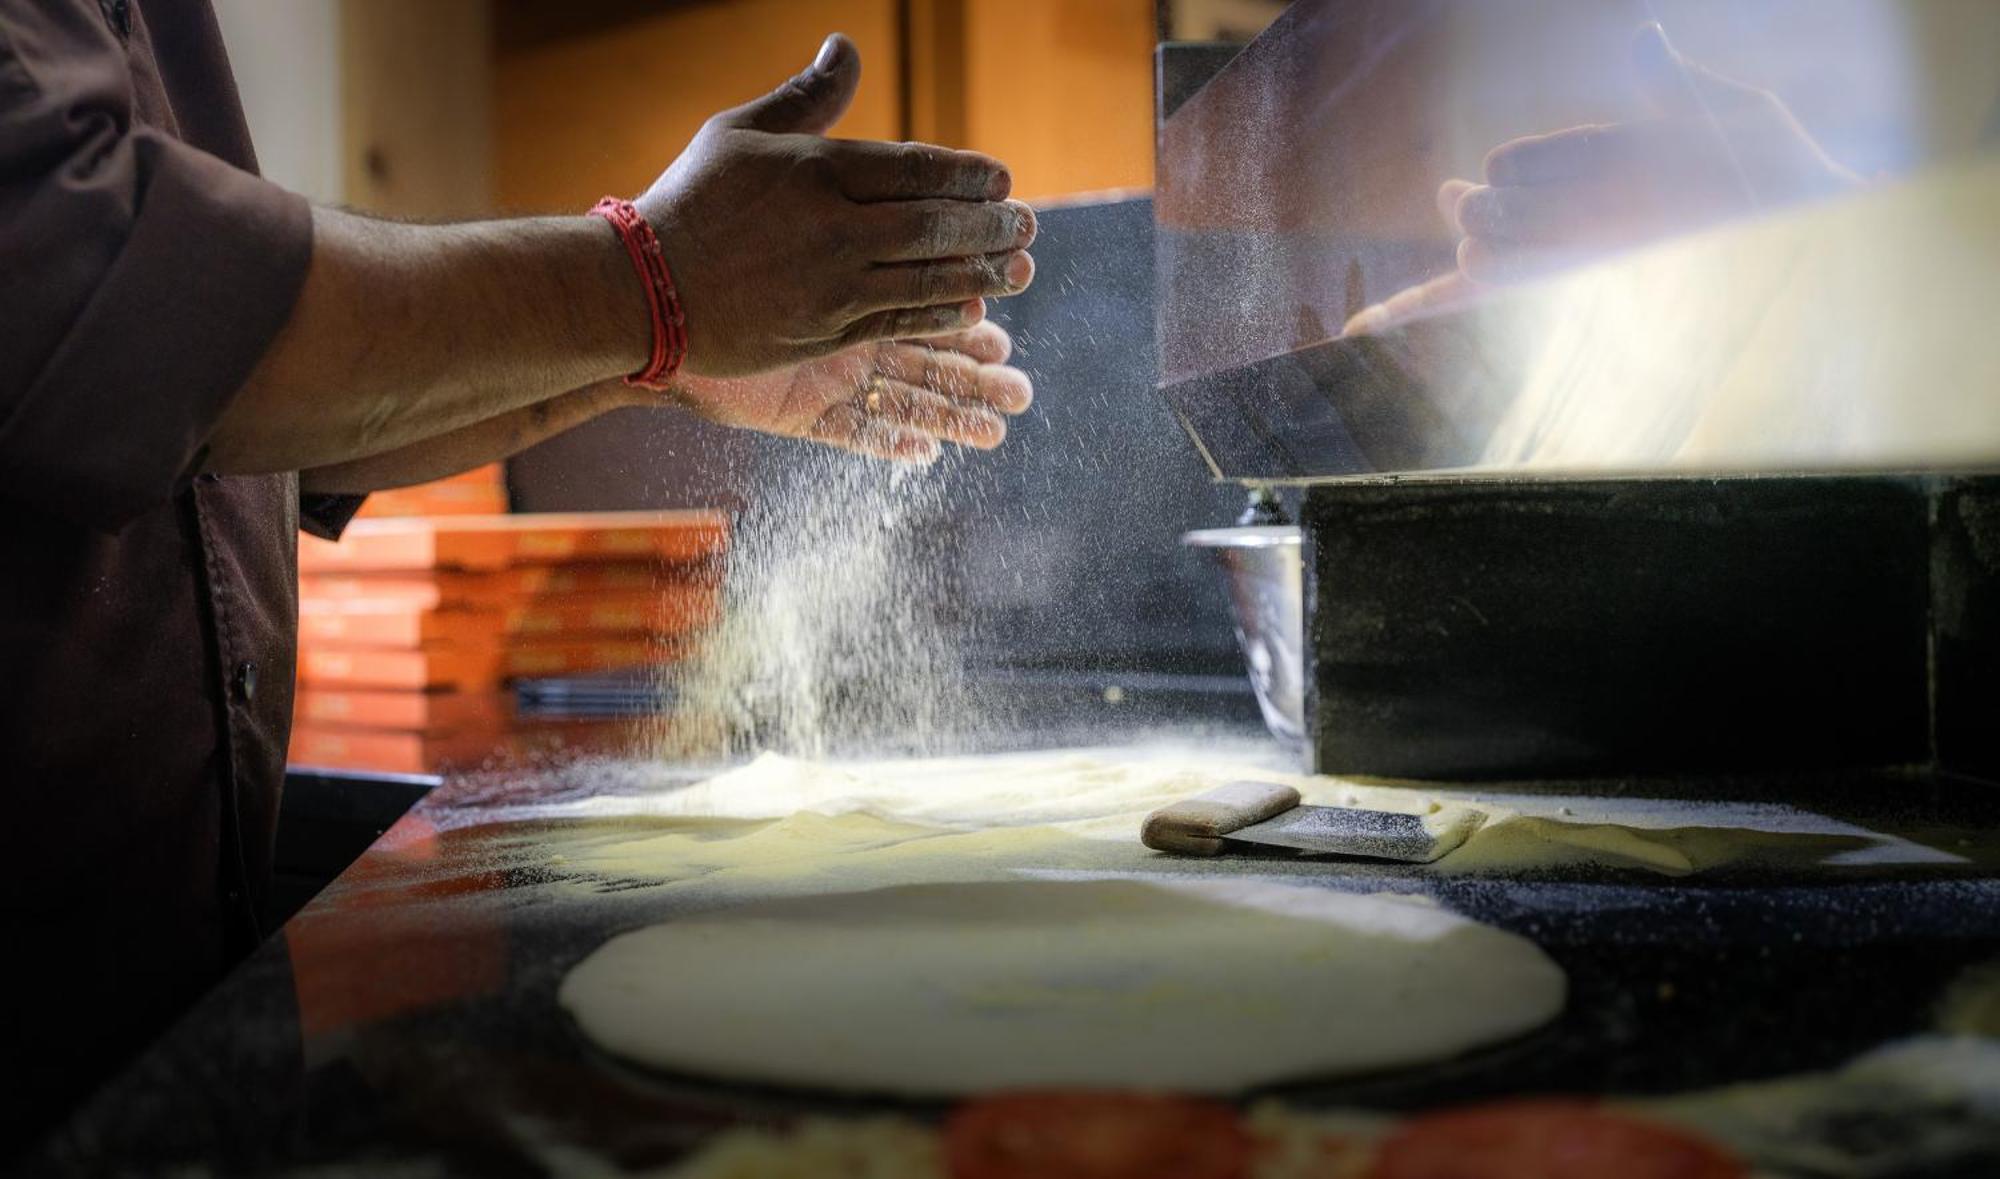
[
  {"x": 622, "y": 323},
  {"x": 618, "y": 394},
  {"x": 647, "y": 255}
]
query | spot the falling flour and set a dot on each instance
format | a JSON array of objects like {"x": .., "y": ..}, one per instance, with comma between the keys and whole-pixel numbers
[{"x": 837, "y": 630}]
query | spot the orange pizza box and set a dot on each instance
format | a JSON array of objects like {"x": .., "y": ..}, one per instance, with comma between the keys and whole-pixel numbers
[
  {"x": 468, "y": 670},
  {"x": 495, "y": 542},
  {"x": 448, "y": 590},
  {"x": 414, "y": 712},
  {"x": 396, "y": 753},
  {"x": 414, "y": 753},
  {"x": 406, "y": 543},
  {"x": 421, "y": 591},
  {"x": 412, "y": 621},
  {"x": 437, "y": 499},
  {"x": 551, "y": 657},
  {"x": 668, "y": 611},
  {"x": 377, "y": 622},
  {"x": 473, "y": 668},
  {"x": 613, "y": 536},
  {"x": 607, "y": 577}
]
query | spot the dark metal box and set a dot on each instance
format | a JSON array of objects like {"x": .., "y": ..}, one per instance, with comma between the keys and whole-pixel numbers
[{"x": 1546, "y": 628}]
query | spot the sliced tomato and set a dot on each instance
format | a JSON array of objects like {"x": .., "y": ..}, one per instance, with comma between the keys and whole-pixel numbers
[
  {"x": 1547, "y": 1140},
  {"x": 1095, "y": 1136}
]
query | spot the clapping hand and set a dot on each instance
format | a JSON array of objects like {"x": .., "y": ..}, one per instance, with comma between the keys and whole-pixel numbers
[{"x": 895, "y": 400}]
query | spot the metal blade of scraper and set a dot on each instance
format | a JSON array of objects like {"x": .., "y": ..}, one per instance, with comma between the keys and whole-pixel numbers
[
  {"x": 1351, "y": 831},
  {"x": 1268, "y": 814}
]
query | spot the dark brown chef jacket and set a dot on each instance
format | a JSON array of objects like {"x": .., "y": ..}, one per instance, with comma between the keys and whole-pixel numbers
[{"x": 147, "y": 612}]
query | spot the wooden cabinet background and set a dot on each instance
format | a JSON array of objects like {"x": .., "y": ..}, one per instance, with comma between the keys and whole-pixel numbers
[
  {"x": 604, "y": 111},
  {"x": 416, "y": 84},
  {"x": 1063, "y": 91},
  {"x": 583, "y": 106}
]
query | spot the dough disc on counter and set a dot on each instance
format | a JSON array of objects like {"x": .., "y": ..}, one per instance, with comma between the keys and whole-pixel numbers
[{"x": 943, "y": 990}]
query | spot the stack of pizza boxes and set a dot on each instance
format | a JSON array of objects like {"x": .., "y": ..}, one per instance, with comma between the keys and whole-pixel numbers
[{"x": 413, "y": 630}]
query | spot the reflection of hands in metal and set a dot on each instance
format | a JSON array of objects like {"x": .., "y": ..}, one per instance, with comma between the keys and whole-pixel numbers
[
  {"x": 895, "y": 400},
  {"x": 1713, "y": 149}
]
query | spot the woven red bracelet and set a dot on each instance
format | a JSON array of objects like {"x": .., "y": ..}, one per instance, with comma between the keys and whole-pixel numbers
[{"x": 642, "y": 245}]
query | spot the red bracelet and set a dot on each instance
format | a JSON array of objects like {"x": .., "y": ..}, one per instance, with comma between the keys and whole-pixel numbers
[{"x": 662, "y": 300}]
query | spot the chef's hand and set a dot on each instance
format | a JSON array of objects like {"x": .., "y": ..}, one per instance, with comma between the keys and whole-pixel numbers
[
  {"x": 894, "y": 400},
  {"x": 786, "y": 245},
  {"x": 1713, "y": 149}
]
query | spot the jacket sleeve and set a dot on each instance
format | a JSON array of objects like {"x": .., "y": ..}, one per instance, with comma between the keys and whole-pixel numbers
[
  {"x": 327, "y": 516},
  {"x": 140, "y": 279}
]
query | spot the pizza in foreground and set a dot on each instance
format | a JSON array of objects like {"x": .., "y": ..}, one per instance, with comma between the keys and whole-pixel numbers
[
  {"x": 1082, "y": 1135},
  {"x": 942, "y": 991}
]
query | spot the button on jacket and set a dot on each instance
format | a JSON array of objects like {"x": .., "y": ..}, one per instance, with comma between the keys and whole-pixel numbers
[{"x": 147, "y": 617}]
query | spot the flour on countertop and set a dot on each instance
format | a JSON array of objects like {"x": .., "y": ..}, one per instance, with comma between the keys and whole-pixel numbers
[{"x": 1082, "y": 808}]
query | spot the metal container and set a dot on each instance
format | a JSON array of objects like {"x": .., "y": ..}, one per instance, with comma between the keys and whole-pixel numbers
[{"x": 1266, "y": 591}]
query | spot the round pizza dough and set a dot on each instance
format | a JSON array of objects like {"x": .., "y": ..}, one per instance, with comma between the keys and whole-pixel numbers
[{"x": 951, "y": 989}]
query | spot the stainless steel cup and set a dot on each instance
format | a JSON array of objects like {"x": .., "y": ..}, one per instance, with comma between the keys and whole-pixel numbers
[{"x": 1266, "y": 588}]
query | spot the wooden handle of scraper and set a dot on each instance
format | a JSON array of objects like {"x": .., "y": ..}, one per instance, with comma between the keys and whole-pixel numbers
[{"x": 1195, "y": 826}]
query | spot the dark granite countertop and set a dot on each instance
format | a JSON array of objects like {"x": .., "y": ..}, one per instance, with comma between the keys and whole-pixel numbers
[{"x": 407, "y": 1016}]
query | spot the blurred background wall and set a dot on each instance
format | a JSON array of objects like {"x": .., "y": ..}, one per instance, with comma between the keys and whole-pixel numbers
[
  {"x": 287, "y": 57},
  {"x": 447, "y": 108}
]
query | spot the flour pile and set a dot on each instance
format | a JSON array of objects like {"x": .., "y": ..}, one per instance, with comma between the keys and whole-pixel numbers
[{"x": 1080, "y": 810}]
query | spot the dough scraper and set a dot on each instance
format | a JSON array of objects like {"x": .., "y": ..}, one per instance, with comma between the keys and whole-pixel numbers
[{"x": 1272, "y": 815}]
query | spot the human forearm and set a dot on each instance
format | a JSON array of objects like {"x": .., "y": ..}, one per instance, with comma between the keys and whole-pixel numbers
[
  {"x": 784, "y": 247},
  {"x": 476, "y": 445},
  {"x": 405, "y": 333}
]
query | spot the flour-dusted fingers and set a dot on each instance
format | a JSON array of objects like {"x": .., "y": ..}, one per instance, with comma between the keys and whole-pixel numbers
[
  {"x": 929, "y": 284},
  {"x": 919, "y": 410},
  {"x": 919, "y": 231},
  {"x": 941, "y": 370},
  {"x": 987, "y": 343},
  {"x": 945, "y": 370},
  {"x": 851, "y": 427},
  {"x": 912, "y": 323},
  {"x": 1002, "y": 387},
  {"x": 868, "y": 171}
]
